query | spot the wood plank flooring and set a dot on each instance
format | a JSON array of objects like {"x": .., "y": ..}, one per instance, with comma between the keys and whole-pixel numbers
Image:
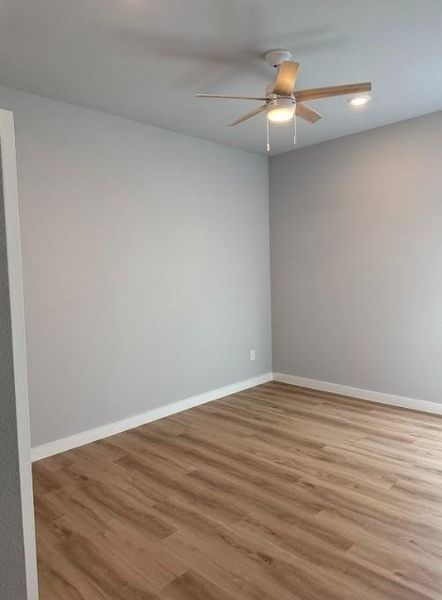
[{"x": 275, "y": 493}]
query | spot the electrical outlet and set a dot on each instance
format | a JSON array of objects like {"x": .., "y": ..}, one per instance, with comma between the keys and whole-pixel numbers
[{"x": 252, "y": 355}]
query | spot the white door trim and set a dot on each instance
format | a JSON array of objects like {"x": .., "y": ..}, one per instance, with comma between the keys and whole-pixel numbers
[{"x": 10, "y": 196}]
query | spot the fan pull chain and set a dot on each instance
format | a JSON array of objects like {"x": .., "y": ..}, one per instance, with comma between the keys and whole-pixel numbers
[
  {"x": 294, "y": 129},
  {"x": 268, "y": 135}
]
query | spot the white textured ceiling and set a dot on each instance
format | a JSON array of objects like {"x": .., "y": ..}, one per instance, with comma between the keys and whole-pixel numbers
[{"x": 145, "y": 59}]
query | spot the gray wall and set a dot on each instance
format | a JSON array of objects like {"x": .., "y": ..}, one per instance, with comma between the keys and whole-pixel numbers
[
  {"x": 146, "y": 264},
  {"x": 356, "y": 260},
  {"x": 12, "y": 559}
]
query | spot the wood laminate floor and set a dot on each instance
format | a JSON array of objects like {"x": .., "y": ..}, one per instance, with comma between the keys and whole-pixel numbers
[{"x": 275, "y": 493}]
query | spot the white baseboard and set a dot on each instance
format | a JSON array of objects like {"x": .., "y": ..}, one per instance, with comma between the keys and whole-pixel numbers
[
  {"x": 92, "y": 435},
  {"x": 346, "y": 390}
]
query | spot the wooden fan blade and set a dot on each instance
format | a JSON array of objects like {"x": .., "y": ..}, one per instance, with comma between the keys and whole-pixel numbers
[
  {"x": 336, "y": 90},
  {"x": 307, "y": 113},
  {"x": 232, "y": 97},
  {"x": 249, "y": 115},
  {"x": 285, "y": 81}
]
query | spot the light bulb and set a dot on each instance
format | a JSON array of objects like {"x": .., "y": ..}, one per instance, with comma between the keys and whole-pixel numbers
[
  {"x": 359, "y": 100},
  {"x": 280, "y": 115}
]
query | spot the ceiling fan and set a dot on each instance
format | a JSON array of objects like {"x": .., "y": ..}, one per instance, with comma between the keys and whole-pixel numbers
[{"x": 282, "y": 102}]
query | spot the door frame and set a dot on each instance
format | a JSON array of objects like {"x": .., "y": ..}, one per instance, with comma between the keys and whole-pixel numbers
[{"x": 15, "y": 276}]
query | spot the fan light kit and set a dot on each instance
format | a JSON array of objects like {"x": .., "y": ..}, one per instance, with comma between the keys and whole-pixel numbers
[
  {"x": 282, "y": 103},
  {"x": 281, "y": 110}
]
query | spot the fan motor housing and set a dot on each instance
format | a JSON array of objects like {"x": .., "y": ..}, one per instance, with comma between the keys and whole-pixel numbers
[{"x": 281, "y": 103}]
